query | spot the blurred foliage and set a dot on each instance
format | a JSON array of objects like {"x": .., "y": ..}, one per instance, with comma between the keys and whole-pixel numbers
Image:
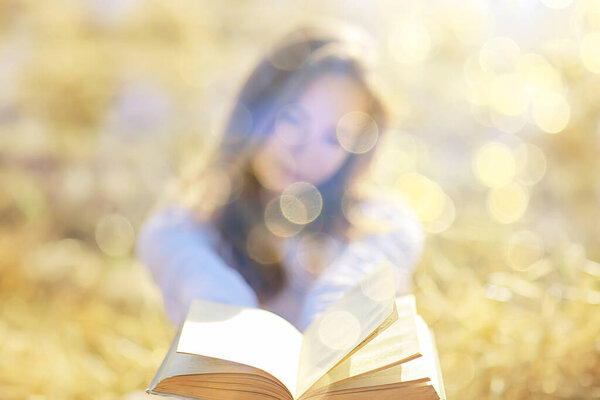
[{"x": 495, "y": 143}]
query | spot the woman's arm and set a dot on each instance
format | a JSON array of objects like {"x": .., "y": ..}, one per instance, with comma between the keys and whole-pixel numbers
[
  {"x": 401, "y": 243},
  {"x": 178, "y": 253}
]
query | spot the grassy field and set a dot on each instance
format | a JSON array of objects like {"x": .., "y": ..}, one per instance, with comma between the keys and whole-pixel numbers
[{"x": 494, "y": 142}]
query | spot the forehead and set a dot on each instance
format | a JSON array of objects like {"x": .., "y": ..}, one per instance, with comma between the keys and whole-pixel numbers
[{"x": 330, "y": 96}]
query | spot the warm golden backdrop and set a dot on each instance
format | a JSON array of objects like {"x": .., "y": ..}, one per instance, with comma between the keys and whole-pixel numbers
[{"x": 495, "y": 142}]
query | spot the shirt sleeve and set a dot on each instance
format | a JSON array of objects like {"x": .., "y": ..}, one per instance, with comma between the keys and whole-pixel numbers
[
  {"x": 182, "y": 261},
  {"x": 401, "y": 243}
]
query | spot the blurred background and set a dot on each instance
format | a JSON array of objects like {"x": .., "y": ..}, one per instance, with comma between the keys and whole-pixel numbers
[{"x": 495, "y": 142}]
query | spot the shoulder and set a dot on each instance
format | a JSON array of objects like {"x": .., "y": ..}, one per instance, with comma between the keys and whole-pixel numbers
[{"x": 173, "y": 220}]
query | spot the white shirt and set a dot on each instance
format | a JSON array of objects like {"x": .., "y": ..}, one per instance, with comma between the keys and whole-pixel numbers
[{"x": 182, "y": 257}]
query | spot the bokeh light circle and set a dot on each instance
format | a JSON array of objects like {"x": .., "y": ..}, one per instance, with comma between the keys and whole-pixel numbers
[
  {"x": 425, "y": 196},
  {"x": 114, "y": 235},
  {"x": 590, "y": 51},
  {"x": 277, "y": 223},
  {"x": 499, "y": 55},
  {"x": 531, "y": 164},
  {"x": 357, "y": 132},
  {"x": 508, "y": 94},
  {"x": 301, "y": 203},
  {"x": 376, "y": 289},
  {"x": 551, "y": 112},
  {"x": 494, "y": 164},
  {"x": 396, "y": 154},
  {"x": 339, "y": 330},
  {"x": 508, "y": 203},
  {"x": 445, "y": 219}
]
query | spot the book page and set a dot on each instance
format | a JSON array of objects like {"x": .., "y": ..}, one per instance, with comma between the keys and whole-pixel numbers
[
  {"x": 420, "y": 370},
  {"x": 182, "y": 364},
  {"x": 427, "y": 340},
  {"x": 165, "y": 365},
  {"x": 185, "y": 367},
  {"x": 243, "y": 335},
  {"x": 345, "y": 325},
  {"x": 396, "y": 391},
  {"x": 413, "y": 370},
  {"x": 396, "y": 344}
]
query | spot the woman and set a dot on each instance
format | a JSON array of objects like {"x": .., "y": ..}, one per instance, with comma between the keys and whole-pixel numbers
[{"x": 273, "y": 221}]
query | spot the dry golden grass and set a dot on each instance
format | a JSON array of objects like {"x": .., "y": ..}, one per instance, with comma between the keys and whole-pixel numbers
[{"x": 101, "y": 105}]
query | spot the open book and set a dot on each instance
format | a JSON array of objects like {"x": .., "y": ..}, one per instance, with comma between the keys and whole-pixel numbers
[{"x": 368, "y": 343}]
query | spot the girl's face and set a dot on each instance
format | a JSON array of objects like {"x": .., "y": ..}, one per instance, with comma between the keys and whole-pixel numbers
[{"x": 304, "y": 145}]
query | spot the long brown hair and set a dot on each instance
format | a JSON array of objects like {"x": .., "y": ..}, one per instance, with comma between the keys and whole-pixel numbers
[{"x": 289, "y": 66}]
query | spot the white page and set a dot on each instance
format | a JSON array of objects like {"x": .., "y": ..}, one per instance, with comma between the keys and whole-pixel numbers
[{"x": 248, "y": 336}]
